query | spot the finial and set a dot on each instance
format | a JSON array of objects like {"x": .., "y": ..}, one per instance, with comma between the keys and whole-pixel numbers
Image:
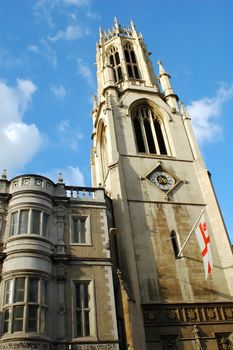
[
  {"x": 161, "y": 69},
  {"x": 116, "y": 24},
  {"x": 60, "y": 178},
  {"x": 184, "y": 111},
  {"x": 101, "y": 32},
  {"x": 133, "y": 26},
  {"x": 4, "y": 174}
]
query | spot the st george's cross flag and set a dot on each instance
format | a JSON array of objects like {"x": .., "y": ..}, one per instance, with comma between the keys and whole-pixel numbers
[{"x": 204, "y": 244}]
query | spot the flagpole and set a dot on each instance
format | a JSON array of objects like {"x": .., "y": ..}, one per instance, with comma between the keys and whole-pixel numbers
[{"x": 189, "y": 235}]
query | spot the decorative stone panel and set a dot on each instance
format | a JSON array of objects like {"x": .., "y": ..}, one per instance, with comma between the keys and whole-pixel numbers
[
  {"x": 224, "y": 341},
  {"x": 191, "y": 314},
  {"x": 24, "y": 345},
  {"x": 94, "y": 347}
]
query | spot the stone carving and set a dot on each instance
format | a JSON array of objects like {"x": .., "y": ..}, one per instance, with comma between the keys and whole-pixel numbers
[
  {"x": 48, "y": 186},
  {"x": 2, "y": 186},
  {"x": 26, "y": 181},
  {"x": 108, "y": 101},
  {"x": 169, "y": 342},
  {"x": 198, "y": 344},
  {"x": 224, "y": 341},
  {"x": 38, "y": 182},
  {"x": 211, "y": 314},
  {"x": 152, "y": 315},
  {"x": 172, "y": 314},
  {"x": 93, "y": 347},
  {"x": 192, "y": 314},
  {"x": 219, "y": 312},
  {"x": 229, "y": 313},
  {"x": 15, "y": 183},
  {"x": 21, "y": 345},
  {"x": 231, "y": 339}
]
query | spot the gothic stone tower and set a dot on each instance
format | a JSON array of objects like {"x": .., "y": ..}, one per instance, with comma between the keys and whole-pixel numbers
[{"x": 146, "y": 156}]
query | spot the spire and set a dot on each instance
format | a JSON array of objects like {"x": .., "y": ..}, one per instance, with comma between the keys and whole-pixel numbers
[
  {"x": 170, "y": 97},
  {"x": 162, "y": 70},
  {"x": 184, "y": 111},
  {"x": 116, "y": 24},
  {"x": 101, "y": 32},
  {"x": 133, "y": 26}
]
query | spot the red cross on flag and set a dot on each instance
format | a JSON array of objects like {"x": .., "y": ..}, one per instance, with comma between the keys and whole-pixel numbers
[{"x": 204, "y": 244}]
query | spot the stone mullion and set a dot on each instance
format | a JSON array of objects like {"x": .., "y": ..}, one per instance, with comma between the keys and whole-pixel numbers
[
  {"x": 153, "y": 131},
  {"x": 141, "y": 118}
]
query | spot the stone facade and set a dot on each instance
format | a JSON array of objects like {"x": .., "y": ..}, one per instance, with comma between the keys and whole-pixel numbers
[
  {"x": 55, "y": 267},
  {"x": 69, "y": 252},
  {"x": 146, "y": 157}
]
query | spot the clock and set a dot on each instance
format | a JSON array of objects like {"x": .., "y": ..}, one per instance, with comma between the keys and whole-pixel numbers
[{"x": 163, "y": 180}]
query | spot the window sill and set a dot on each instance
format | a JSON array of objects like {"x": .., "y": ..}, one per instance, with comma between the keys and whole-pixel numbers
[
  {"x": 25, "y": 335},
  {"x": 27, "y": 235},
  {"x": 149, "y": 155},
  {"x": 88, "y": 339}
]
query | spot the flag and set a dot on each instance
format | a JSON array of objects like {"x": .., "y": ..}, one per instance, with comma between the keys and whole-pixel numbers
[{"x": 204, "y": 244}]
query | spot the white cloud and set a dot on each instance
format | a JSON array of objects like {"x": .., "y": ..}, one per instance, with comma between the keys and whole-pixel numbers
[
  {"x": 44, "y": 50},
  {"x": 93, "y": 15},
  {"x": 206, "y": 112},
  {"x": 71, "y": 175},
  {"x": 33, "y": 48},
  {"x": 69, "y": 135},
  {"x": 43, "y": 10},
  {"x": 72, "y": 32},
  {"x": 85, "y": 72},
  {"x": 19, "y": 141},
  {"x": 63, "y": 125},
  {"x": 58, "y": 91}
]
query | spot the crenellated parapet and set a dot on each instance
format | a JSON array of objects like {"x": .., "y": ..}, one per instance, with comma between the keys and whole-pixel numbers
[{"x": 117, "y": 30}]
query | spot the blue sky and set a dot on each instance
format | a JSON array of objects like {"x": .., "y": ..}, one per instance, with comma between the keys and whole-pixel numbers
[{"x": 48, "y": 79}]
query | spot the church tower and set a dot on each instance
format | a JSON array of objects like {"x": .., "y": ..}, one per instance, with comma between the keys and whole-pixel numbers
[{"x": 146, "y": 157}]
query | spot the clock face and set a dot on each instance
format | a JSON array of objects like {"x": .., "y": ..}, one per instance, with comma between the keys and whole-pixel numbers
[{"x": 163, "y": 180}]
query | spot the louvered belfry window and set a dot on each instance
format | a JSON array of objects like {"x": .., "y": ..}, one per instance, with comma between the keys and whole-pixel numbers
[
  {"x": 148, "y": 132},
  {"x": 131, "y": 62},
  {"x": 114, "y": 60}
]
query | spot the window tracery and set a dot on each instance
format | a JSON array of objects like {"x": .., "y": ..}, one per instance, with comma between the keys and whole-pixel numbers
[
  {"x": 148, "y": 132},
  {"x": 114, "y": 60},
  {"x": 131, "y": 62}
]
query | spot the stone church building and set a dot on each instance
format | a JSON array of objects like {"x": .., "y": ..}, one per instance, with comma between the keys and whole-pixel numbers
[{"x": 101, "y": 268}]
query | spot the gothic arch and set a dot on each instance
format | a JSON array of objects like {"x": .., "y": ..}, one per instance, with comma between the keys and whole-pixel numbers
[
  {"x": 149, "y": 130},
  {"x": 131, "y": 61},
  {"x": 101, "y": 146},
  {"x": 114, "y": 60}
]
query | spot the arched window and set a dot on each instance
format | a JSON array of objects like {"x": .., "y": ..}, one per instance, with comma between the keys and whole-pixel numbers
[
  {"x": 103, "y": 152},
  {"x": 148, "y": 132},
  {"x": 175, "y": 244},
  {"x": 114, "y": 60},
  {"x": 131, "y": 62}
]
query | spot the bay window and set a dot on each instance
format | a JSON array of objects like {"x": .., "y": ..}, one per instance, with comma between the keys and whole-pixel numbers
[
  {"x": 31, "y": 221},
  {"x": 25, "y": 306}
]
